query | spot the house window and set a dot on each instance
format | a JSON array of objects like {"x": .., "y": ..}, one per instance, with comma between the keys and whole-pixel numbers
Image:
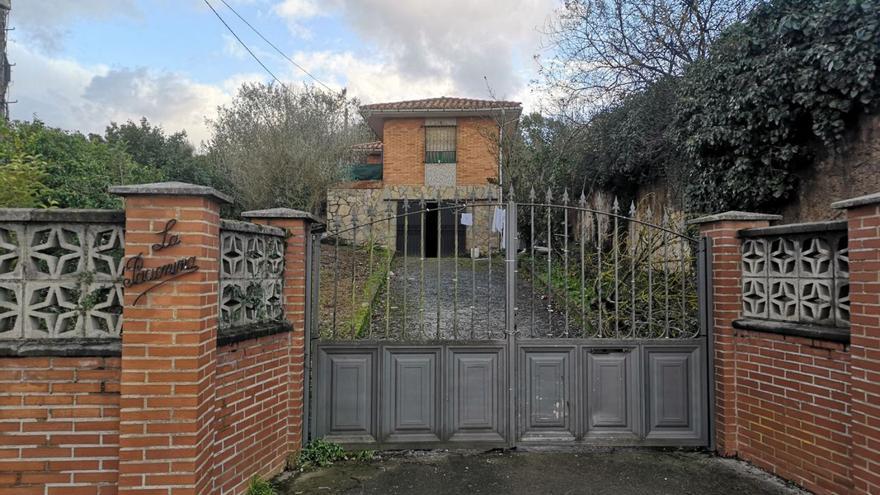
[{"x": 440, "y": 144}]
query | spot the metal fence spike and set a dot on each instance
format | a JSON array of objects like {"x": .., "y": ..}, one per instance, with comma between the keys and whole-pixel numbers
[
  {"x": 532, "y": 195},
  {"x": 549, "y": 196}
]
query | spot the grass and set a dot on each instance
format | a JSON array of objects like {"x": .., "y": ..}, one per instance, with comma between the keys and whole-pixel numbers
[
  {"x": 351, "y": 279},
  {"x": 372, "y": 287}
]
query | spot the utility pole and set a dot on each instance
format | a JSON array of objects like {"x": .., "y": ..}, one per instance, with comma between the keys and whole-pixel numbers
[{"x": 5, "y": 68}]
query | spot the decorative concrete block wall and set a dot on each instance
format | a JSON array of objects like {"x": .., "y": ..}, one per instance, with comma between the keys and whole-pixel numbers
[{"x": 167, "y": 398}]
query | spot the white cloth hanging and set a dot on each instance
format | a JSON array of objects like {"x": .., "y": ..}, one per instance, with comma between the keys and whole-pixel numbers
[{"x": 499, "y": 218}]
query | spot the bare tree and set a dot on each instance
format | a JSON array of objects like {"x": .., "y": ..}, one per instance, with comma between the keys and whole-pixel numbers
[{"x": 606, "y": 49}]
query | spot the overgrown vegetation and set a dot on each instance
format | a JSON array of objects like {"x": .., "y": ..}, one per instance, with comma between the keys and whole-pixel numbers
[
  {"x": 42, "y": 166},
  {"x": 321, "y": 453},
  {"x": 284, "y": 146},
  {"x": 737, "y": 112},
  {"x": 350, "y": 282},
  {"x": 794, "y": 77},
  {"x": 647, "y": 283},
  {"x": 271, "y": 147}
]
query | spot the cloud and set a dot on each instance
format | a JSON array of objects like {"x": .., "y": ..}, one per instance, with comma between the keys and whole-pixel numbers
[
  {"x": 371, "y": 81},
  {"x": 457, "y": 41},
  {"x": 66, "y": 94},
  {"x": 45, "y": 22},
  {"x": 297, "y": 11}
]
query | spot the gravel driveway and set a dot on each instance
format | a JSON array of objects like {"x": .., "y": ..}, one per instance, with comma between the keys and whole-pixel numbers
[{"x": 427, "y": 303}]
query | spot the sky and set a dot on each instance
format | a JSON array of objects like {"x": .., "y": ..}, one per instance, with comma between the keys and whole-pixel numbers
[{"x": 80, "y": 64}]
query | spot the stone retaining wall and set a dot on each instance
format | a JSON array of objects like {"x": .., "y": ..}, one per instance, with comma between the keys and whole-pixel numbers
[{"x": 345, "y": 205}]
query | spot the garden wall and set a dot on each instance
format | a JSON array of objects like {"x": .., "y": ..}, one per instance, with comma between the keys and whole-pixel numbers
[
  {"x": 156, "y": 350},
  {"x": 254, "y": 410},
  {"x": 59, "y": 425},
  {"x": 796, "y": 323}
]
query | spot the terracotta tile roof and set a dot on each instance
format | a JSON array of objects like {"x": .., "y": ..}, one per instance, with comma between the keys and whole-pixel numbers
[
  {"x": 372, "y": 146},
  {"x": 442, "y": 103}
]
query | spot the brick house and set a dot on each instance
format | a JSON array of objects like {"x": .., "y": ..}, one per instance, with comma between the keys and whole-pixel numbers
[{"x": 442, "y": 150}]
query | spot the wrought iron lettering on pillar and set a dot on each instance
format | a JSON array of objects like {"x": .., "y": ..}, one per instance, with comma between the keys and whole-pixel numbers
[{"x": 139, "y": 275}]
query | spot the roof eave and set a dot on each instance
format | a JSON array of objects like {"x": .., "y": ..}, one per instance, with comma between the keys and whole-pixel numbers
[{"x": 374, "y": 118}]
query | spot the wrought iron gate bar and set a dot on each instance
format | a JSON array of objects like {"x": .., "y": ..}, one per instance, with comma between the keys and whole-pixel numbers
[{"x": 617, "y": 295}]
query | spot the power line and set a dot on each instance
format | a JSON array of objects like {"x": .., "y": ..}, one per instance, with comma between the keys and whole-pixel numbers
[
  {"x": 243, "y": 43},
  {"x": 280, "y": 52}
]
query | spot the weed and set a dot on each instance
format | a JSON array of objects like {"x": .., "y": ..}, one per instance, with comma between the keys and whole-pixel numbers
[
  {"x": 259, "y": 486},
  {"x": 321, "y": 453}
]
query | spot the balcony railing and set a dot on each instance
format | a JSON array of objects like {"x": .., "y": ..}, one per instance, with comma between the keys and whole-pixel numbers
[{"x": 365, "y": 171}]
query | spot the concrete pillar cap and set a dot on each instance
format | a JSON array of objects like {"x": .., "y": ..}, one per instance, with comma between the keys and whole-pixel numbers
[
  {"x": 868, "y": 199},
  {"x": 281, "y": 213},
  {"x": 170, "y": 189},
  {"x": 741, "y": 216}
]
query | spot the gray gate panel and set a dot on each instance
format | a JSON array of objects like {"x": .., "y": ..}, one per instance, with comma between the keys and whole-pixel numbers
[
  {"x": 410, "y": 411},
  {"x": 348, "y": 413},
  {"x": 611, "y": 392},
  {"x": 546, "y": 394},
  {"x": 475, "y": 379},
  {"x": 674, "y": 393}
]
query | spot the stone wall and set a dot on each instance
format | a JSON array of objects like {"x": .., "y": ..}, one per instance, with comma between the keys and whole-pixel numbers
[
  {"x": 853, "y": 170},
  {"x": 344, "y": 205}
]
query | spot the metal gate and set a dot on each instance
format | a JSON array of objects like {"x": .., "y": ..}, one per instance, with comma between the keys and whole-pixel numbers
[{"x": 575, "y": 325}]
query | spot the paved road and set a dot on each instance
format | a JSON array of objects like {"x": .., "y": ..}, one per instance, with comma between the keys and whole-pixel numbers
[{"x": 609, "y": 472}]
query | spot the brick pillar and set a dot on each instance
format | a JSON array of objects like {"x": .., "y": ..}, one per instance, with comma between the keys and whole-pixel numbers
[
  {"x": 727, "y": 306},
  {"x": 863, "y": 218},
  {"x": 297, "y": 224},
  {"x": 169, "y": 341}
]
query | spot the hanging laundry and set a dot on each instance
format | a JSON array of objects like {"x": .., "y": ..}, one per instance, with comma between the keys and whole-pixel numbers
[{"x": 498, "y": 217}]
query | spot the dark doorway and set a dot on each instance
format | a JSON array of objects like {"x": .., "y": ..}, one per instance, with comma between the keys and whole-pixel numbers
[
  {"x": 410, "y": 234},
  {"x": 432, "y": 216}
]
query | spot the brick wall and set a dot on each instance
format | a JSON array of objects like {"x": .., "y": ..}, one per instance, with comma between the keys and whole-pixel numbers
[
  {"x": 863, "y": 216},
  {"x": 253, "y": 411},
  {"x": 59, "y": 425},
  {"x": 727, "y": 304},
  {"x": 477, "y": 151},
  {"x": 404, "y": 151},
  {"x": 168, "y": 351},
  {"x": 792, "y": 408},
  {"x": 805, "y": 408}
]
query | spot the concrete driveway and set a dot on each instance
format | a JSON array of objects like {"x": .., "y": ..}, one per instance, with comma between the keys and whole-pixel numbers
[{"x": 608, "y": 471}]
